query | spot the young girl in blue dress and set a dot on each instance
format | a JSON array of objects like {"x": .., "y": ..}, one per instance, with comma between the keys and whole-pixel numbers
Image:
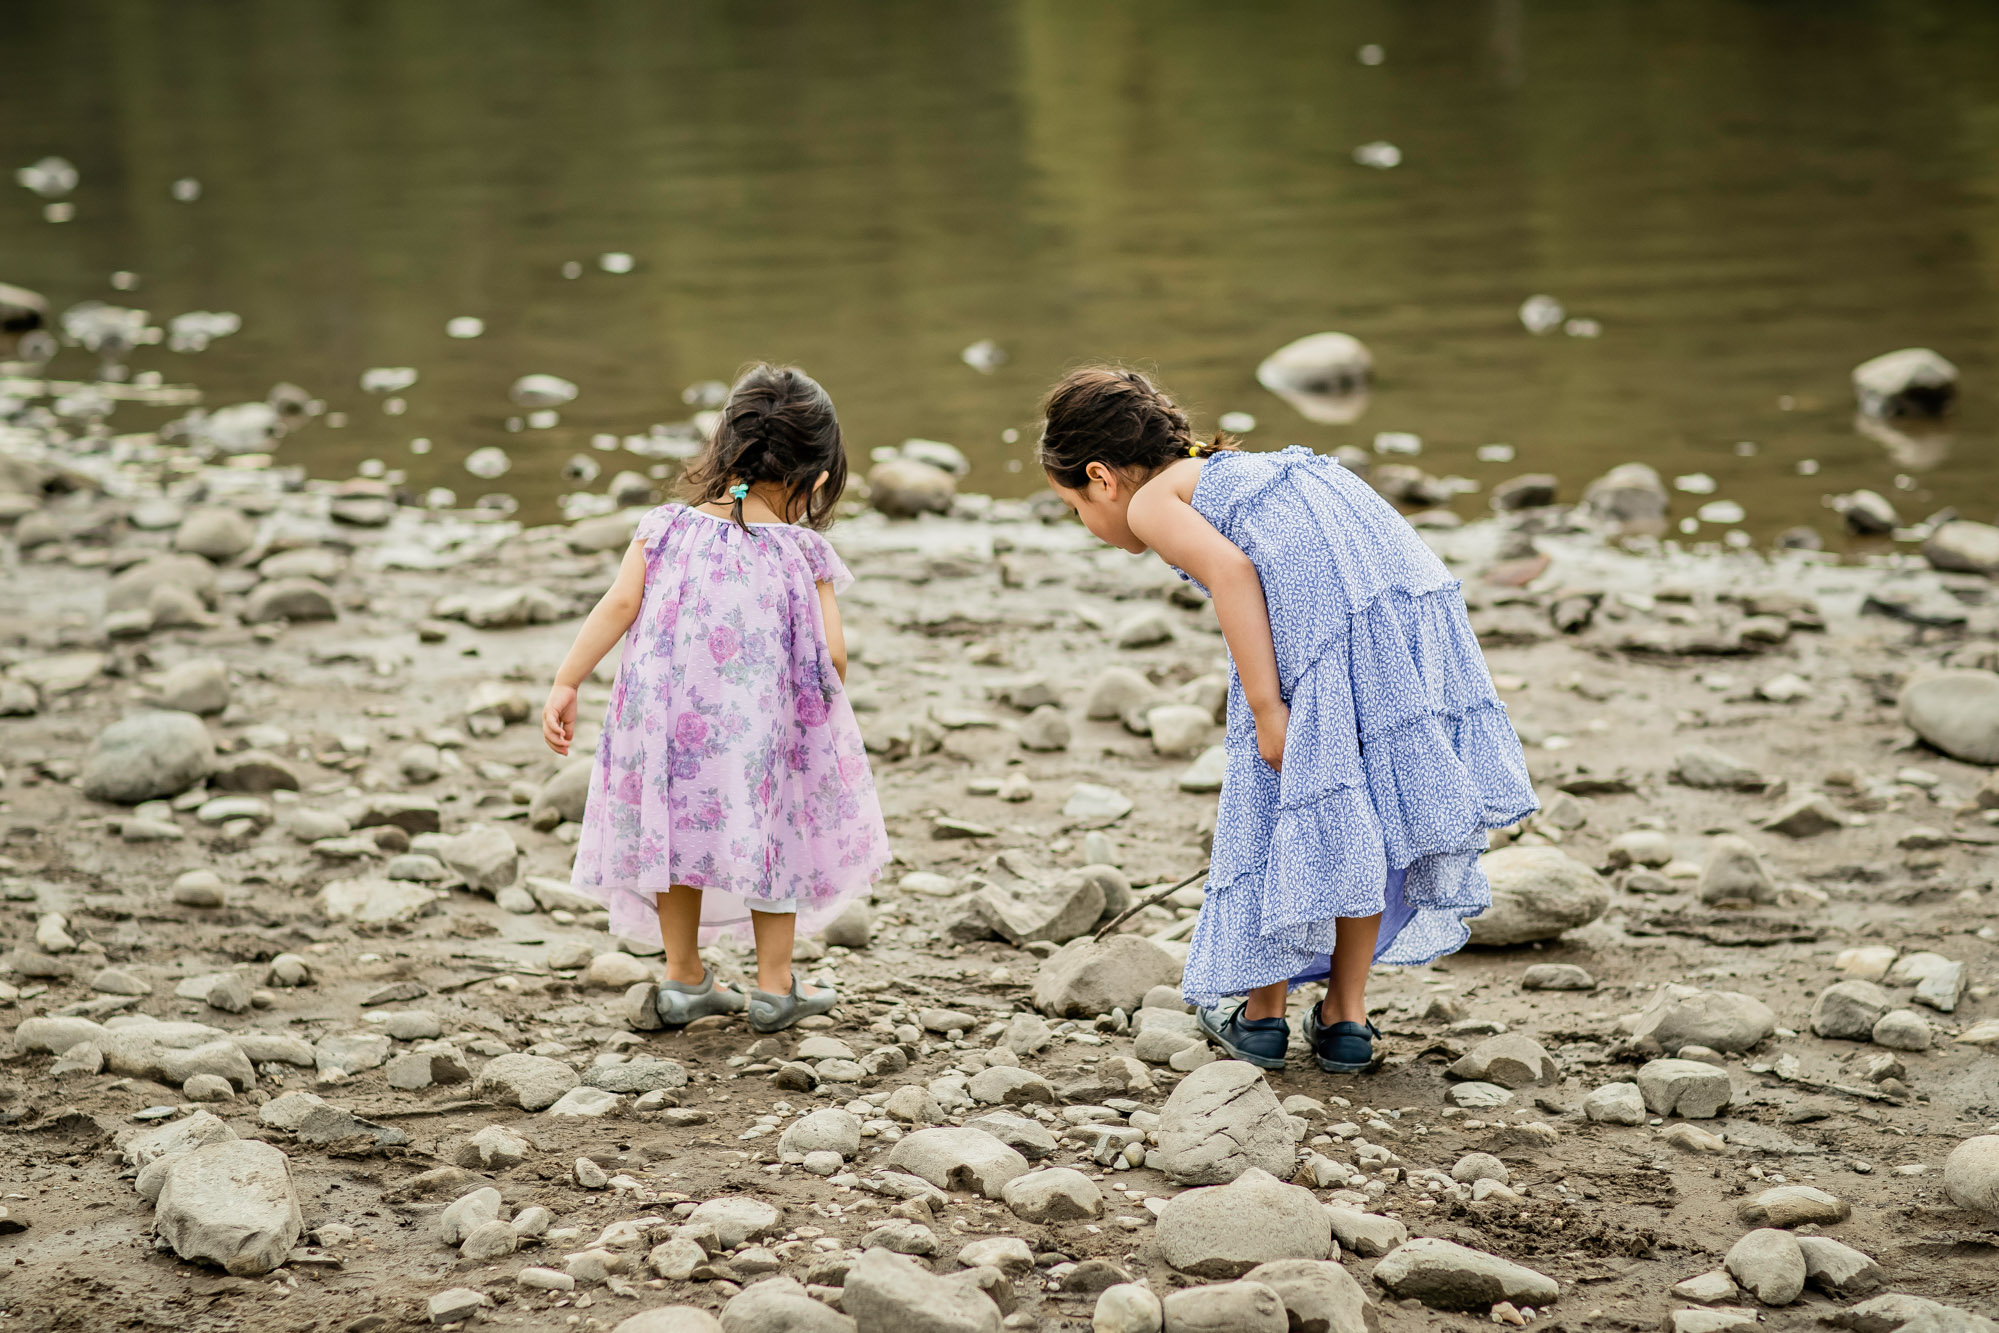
[{"x": 1368, "y": 753}]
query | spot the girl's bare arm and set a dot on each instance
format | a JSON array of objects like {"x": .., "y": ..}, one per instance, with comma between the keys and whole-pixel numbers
[
  {"x": 1162, "y": 517},
  {"x": 602, "y": 628},
  {"x": 836, "y": 637}
]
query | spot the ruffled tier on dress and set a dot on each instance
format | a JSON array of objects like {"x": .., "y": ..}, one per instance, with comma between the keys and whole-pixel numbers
[{"x": 1398, "y": 757}]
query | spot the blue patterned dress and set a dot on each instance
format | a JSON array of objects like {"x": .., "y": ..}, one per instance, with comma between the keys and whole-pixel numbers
[{"x": 1399, "y": 755}]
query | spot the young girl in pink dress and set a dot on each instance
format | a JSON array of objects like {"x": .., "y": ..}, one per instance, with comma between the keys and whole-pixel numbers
[{"x": 731, "y": 788}]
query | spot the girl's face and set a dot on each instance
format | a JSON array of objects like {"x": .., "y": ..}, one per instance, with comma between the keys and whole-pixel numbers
[{"x": 1102, "y": 504}]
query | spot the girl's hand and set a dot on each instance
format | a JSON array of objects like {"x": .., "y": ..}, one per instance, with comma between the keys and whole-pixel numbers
[
  {"x": 1271, "y": 725},
  {"x": 558, "y": 718}
]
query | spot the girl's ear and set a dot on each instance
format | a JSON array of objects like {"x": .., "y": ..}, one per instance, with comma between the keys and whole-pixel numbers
[{"x": 1103, "y": 474}]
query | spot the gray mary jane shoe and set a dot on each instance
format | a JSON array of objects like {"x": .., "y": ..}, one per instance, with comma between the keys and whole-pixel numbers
[
  {"x": 679, "y": 1004},
  {"x": 771, "y": 1012}
]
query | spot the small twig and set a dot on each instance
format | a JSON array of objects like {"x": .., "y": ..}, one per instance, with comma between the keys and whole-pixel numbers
[{"x": 1132, "y": 911}]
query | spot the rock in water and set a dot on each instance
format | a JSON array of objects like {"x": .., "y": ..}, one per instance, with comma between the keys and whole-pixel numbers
[
  {"x": 1221, "y": 1121},
  {"x": 888, "y": 1293},
  {"x": 1963, "y": 547},
  {"x": 1628, "y": 493},
  {"x": 230, "y": 1203},
  {"x": 1226, "y": 1230},
  {"x": 1445, "y": 1276},
  {"x": 146, "y": 756},
  {"x": 1957, "y": 712},
  {"x": 1537, "y": 893},
  {"x": 1911, "y": 382},
  {"x": 1971, "y": 1175},
  {"x": 1768, "y": 1264},
  {"x": 904, "y": 488},
  {"x": 1725, "y": 1021},
  {"x": 1325, "y": 376},
  {"x": 1087, "y": 977}
]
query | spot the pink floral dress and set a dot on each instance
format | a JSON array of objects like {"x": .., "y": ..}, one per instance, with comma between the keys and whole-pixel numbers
[{"x": 730, "y": 759}]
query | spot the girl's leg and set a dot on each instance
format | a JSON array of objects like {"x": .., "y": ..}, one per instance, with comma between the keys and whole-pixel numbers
[
  {"x": 1353, "y": 954},
  {"x": 775, "y": 933},
  {"x": 1266, "y": 1001},
  {"x": 679, "y": 929}
]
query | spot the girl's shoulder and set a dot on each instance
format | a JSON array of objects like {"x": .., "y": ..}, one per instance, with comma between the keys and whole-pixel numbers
[
  {"x": 794, "y": 545},
  {"x": 1233, "y": 477}
]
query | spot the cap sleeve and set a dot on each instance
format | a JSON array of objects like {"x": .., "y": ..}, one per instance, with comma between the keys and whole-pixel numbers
[
  {"x": 823, "y": 561},
  {"x": 655, "y": 524}
]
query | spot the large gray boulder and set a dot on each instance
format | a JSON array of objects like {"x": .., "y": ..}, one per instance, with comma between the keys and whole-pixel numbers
[
  {"x": 1221, "y": 1121},
  {"x": 904, "y": 488},
  {"x": 958, "y": 1158},
  {"x": 1325, "y": 376},
  {"x": 1537, "y": 893},
  {"x": 1963, "y": 547},
  {"x": 1319, "y": 1296},
  {"x": 1226, "y": 1230},
  {"x": 891, "y": 1293},
  {"x": 231, "y": 1204},
  {"x": 1087, "y": 977},
  {"x": 561, "y": 798},
  {"x": 781, "y": 1305},
  {"x": 1955, "y": 711},
  {"x": 1445, "y": 1276},
  {"x": 1721, "y": 1020},
  {"x": 147, "y": 756},
  {"x": 1022, "y": 909}
]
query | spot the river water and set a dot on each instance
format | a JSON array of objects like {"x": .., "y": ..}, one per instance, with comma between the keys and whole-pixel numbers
[{"x": 1748, "y": 198}]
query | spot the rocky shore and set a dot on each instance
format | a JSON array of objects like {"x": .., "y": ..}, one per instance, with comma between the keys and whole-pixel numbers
[{"x": 308, "y": 1030}]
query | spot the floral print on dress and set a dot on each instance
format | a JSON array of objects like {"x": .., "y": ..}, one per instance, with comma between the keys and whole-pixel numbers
[{"x": 730, "y": 758}]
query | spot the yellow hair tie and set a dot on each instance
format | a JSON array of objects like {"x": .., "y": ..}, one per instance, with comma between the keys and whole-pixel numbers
[{"x": 1193, "y": 451}]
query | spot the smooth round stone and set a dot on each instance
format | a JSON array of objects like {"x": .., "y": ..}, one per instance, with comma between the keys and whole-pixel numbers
[{"x": 1477, "y": 1096}]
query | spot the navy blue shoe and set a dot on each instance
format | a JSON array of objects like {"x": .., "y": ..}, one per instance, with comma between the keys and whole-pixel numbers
[
  {"x": 1343, "y": 1048},
  {"x": 1256, "y": 1041}
]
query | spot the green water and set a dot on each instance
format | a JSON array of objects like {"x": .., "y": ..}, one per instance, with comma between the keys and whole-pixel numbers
[{"x": 1750, "y": 198}]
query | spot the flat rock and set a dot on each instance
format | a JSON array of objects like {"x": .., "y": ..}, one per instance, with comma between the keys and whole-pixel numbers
[
  {"x": 1792, "y": 1205},
  {"x": 958, "y": 1158},
  {"x": 1446, "y": 1276},
  {"x": 1226, "y": 1230},
  {"x": 737, "y": 1219},
  {"x": 1556, "y": 976},
  {"x": 1537, "y": 893},
  {"x": 231, "y": 1204},
  {"x": 1839, "y": 1270},
  {"x": 312, "y": 1119},
  {"x": 1705, "y": 766},
  {"x": 1025, "y": 1136},
  {"x": 372, "y": 902},
  {"x": 1224, "y": 1307}
]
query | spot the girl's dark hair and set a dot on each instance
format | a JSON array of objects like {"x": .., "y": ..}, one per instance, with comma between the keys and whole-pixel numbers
[
  {"x": 778, "y": 425},
  {"x": 1117, "y": 417}
]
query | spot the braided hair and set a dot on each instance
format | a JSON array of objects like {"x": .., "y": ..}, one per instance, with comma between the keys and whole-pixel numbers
[
  {"x": 778, "y": 426},
  {"x": 1117, "y": 417}
]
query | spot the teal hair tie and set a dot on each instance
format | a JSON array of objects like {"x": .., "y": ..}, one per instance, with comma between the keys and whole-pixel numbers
[{"x": 739, "y": 491}]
